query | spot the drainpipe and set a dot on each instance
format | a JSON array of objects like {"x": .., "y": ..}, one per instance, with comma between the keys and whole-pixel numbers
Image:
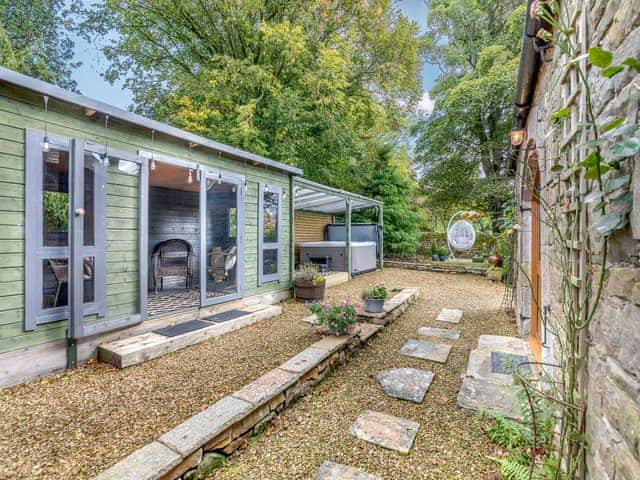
[{"x": 530, "y": 61}]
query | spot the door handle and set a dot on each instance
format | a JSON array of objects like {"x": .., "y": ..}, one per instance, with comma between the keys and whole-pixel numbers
[{"x": 80, "y": 212}]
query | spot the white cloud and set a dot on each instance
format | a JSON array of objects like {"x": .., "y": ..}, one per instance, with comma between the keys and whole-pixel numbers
[{"x": 426, "y": 104}]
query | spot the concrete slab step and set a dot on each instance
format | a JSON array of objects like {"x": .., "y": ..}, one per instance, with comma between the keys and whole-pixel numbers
[
  {"x": 140, "y": 348},
  {"x": 435, "y": 352},
  {"x": 337, "y": 471},
  {"x": 385, "y": 430}
]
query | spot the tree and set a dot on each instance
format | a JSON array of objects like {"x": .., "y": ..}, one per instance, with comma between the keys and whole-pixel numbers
[
  {"x": 35, "y": 39},
  {"x": 316, "y": 84},
  {"x": 392, "y": 184},
  {"x": 464, "y": 141}
]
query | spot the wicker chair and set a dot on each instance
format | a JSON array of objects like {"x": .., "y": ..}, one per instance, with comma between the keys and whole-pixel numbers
[
  {"x": 221, "y": 263},
  {"x": 172, "y": 258}
]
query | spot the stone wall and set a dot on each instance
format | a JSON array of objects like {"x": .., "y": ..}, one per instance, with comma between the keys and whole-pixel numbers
[{"x": 613, "y": 393}]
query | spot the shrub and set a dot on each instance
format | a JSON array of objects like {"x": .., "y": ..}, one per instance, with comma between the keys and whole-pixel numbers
[
  {"x": 378, "y": 292},
  {"x": 309, "y": 273},
  {"x": 338, "y": 318}
]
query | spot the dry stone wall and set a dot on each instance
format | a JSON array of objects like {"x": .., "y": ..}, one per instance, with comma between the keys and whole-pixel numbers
[{"x": 613, "y": 393}]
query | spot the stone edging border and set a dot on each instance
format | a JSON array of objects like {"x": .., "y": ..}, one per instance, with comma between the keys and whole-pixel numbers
[
  {"x": 201, "y": 443},
  {"x": 450, "y": 268}
]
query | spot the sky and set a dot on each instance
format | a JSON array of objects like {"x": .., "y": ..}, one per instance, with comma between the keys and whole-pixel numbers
[{"x": 92, "y": 84}]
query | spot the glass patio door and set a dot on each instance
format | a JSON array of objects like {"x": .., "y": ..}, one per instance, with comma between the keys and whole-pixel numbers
[{"x": 222, "y": 236}]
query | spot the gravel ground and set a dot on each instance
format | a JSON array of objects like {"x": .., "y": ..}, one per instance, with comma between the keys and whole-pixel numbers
[
  {"x": 450, "y": 443},
  {"x": 77, "y": 423}
]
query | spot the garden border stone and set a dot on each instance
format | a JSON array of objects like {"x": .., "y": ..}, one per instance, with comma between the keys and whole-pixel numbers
[{"x": 228, "y": 423}]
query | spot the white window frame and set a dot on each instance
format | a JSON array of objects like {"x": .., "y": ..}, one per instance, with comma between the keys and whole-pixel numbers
[{"x": 262, "y": 245}]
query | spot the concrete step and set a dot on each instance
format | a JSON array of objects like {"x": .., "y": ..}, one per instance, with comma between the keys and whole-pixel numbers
[{"x": 140, "y": 348}]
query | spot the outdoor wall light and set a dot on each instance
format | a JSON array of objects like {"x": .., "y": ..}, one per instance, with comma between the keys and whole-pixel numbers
[{"x": 517, "y": 136}]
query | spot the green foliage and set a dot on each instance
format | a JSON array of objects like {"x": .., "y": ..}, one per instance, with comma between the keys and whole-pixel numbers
[
  {"x": 378, "y": 292},
  {"x": 519, "y": 439},
  {"x": 395, "y": 188},
  {"x": 309, "y": 273},
  {"x": 462, "y": 145},
  {"x": 340, "y": 319},
  {"x": 56, "y": 210},
  {"x": 35, "y": 39},
  {"x": 320, "y": 85}
]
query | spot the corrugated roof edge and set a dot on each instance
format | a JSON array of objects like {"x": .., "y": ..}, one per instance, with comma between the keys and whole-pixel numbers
[{"x": 53, "y": 91}]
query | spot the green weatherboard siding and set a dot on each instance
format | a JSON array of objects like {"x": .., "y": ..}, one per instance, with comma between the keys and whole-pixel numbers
[{"x": 21, "y": 110}]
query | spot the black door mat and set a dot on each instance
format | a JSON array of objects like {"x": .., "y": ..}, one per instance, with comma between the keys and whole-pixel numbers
[
  {"x": 226, "y": 316},
  {"x": 186, "y": 327}
]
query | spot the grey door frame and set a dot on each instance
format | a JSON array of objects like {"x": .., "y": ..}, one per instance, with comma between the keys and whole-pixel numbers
[{"x": 227, "y": 177}]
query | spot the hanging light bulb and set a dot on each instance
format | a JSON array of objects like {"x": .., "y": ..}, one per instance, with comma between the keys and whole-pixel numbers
[
  {"x": 233, "y": 189},
  {"x": 45, "y": 140},
  {"x": 219, "y": 178},
  {"x": 153, "y": 160},
  {"x": 266, "y": 187},
  {"x": 284, "y": 193},
  {"x": 246, "y": 185},
  {"x": 190, "y": 177}
]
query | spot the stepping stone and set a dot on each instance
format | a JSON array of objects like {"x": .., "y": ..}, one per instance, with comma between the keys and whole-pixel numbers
[
  {"x": 336, "y": 471},
  {"x": 436, "y": 352},
  {"x": 449, "y": 315},
  {"x": 385, "y": 430},
  {"x": 406, "y": 383},
  {"x": 439, "y": 332},
  {"x": 476, "y": 394}
]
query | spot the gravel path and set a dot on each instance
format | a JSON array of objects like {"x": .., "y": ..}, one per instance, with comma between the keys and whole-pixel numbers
[
  {"x": 450, "y": 443},
  {"x": 77, "y": 423}
]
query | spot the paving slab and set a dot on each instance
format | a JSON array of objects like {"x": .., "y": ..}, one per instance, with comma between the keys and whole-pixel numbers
[
  {"x": 436, "y": 352},
  {"x": 305, "y": 360},
  {"x": 406, "y": 383},
  {"x": 147, "y": 463},
  {"x": 449, "y": 315},
  {"x": 385, "y": 430},
  {"x": 439, "y": 333},
  {"x": 337, "y": 471},
  {"x": 503, "y": 343},
  {"x": 267, "y": 386},
  {"x": 199, "y": 429},
  {"x": 476, "y": 394}
]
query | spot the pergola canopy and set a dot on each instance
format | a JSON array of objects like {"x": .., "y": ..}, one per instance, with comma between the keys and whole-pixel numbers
[{"x": 315, "y": 197}]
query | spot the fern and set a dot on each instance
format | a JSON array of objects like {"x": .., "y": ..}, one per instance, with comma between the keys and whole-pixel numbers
[{"x": 512, "y": 469}]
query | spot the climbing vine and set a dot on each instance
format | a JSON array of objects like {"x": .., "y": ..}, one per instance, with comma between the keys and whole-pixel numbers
[{"x": 599, "y": 186}]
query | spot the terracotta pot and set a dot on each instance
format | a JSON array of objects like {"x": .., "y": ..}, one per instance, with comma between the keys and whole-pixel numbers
[
  {"x": 307, "y": 291},
  {"x": 495, "y": 260}
]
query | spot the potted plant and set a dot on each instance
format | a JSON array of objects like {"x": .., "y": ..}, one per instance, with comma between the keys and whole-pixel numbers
[
  {"x": 495, "y": 260},
  {"x": 443, "y": 253},
  {"x": 309, "y": 284},
  {"x": 374, "y": 298},
  {"x": 434, "y": 252},
  {"x": 494, "y": 274},
  {"x": 339, "y": 319}
]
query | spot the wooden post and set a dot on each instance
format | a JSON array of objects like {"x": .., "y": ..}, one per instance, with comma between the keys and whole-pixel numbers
[
  {"x": 347, "y": 227},
  {"x": 292, "y": 230},
  {"x": 381, "y": 235}
]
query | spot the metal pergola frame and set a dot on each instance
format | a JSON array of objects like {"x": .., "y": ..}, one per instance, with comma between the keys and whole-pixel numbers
[{"x": 314, "y": 197}]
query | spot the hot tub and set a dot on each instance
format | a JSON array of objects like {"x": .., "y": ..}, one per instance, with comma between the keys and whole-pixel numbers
[{"x": 333, "y": 255}]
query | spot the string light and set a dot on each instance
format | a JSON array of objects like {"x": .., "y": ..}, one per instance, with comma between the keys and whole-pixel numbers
[
  {"x": 190, "y": 177},
  {"x": 153, "y": 160},
  {"x": 45, "y": 140}
]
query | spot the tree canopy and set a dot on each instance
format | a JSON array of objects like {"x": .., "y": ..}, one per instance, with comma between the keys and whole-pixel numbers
[
  {"x": 35, "y": 39},
  {"x": 463, "y": 145},
  {"x": 316, "y": 84}
]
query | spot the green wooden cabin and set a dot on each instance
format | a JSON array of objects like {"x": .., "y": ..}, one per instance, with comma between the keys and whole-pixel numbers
[{"x": 109, "y": 220}]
